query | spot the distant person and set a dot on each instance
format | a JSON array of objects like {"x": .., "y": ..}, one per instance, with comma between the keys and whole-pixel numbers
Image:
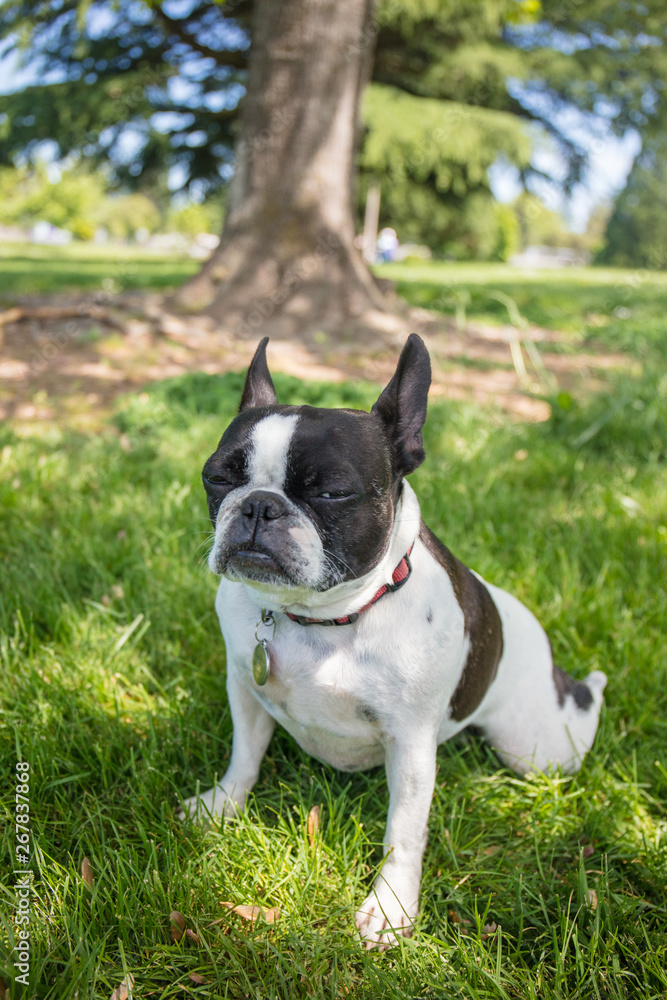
[{"x": 387, "y": 245}]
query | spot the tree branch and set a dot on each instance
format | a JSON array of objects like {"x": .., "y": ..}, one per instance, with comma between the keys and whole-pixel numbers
[{"x": 237, "y": 58}]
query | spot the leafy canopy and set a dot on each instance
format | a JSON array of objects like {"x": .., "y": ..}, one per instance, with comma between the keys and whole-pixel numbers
[{"x": 154, "y": 89}]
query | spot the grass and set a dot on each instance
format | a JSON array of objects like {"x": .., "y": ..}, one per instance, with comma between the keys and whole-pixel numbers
[
  {"x": 112, "y": 688},
  {"x": 623, "y": 309},
  {"x": 30, "y": 269}
]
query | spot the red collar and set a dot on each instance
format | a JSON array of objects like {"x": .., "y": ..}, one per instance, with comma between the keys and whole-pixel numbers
[{"x": 400, "y": 576}]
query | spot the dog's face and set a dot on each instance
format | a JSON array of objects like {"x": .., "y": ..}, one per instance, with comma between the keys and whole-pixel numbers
[{"x": 304, "y": 498}]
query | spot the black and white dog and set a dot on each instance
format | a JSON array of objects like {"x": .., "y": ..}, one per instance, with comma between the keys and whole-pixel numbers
[{"x": 346, "y": 620}]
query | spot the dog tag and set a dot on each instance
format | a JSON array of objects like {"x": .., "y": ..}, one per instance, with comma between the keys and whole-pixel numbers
[
  {"x": 261, "y": 665},
  {"x": 261, "y": 661}
]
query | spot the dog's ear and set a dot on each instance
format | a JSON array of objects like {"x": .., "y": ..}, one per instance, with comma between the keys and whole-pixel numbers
[
  {"x": 402, "y": 405},
  {"x": 258, "y": 389}
]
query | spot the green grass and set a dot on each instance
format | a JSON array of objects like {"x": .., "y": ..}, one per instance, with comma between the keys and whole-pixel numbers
[
  {"x": 112, "y": 686},
  {"x": 113, "y": 689},
  {"x": 622, "y": 309},
  {"x": 28, "y": 269}
]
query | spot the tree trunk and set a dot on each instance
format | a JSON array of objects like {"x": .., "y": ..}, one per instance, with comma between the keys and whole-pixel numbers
[{"x": 287, "y": 264}]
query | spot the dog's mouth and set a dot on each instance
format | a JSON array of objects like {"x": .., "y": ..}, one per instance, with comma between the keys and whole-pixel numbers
[{"x": 253, "y": 562}]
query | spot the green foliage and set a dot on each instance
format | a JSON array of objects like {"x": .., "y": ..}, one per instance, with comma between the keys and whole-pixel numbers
[
  {"x": 432, "y": 159},
  {"x": 637, "y": 230},
  {"x": 171, "y": 78},
  {"x": 70, "y": 202},
  {"x": 78, "y": 201},
  {"x": 196, "y": 217},
  {"x": 112, "y": 687},
  {"x": 124, "y": 215},
  {"x": 538, "y": 225}
]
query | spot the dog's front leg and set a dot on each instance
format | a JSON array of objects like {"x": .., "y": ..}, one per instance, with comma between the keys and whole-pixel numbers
[
  {"x": 253, "y": 729},
  {"x": 392, "y": 906}
]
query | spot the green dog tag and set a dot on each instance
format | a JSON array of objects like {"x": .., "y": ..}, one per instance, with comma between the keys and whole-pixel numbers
[{"x": 261, "y": 665}]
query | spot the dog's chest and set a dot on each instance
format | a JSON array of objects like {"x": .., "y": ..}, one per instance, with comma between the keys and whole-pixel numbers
[{"x": 325, "y": 692}]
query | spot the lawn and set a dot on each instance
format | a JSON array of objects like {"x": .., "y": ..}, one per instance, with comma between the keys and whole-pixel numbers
[
  {"x": 112, "y": 690},
  {"x": 29, "y": 269}
]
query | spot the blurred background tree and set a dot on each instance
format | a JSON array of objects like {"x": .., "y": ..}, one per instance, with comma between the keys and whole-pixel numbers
[
  {"x": 155, "y": 91},
  {"x": 637, "y": 230}
]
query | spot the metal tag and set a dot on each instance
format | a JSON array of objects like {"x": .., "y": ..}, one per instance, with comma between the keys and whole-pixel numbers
[
  {"x": 261, "y": 665},
  {"x": 261, "y": 662}
]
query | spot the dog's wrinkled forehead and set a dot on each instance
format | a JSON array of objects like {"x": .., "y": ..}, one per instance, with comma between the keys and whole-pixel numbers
[{"x": 280, "y": 444}]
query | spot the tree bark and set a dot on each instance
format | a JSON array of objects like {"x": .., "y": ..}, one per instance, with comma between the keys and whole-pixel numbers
[{"x": 286, "y": 263}]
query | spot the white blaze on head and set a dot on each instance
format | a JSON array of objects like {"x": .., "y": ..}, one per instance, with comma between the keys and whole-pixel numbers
[{"x": 267, "y": 462}]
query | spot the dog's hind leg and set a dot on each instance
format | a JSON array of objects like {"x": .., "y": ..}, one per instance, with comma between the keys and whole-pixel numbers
[{"x": 535, "y": 715}]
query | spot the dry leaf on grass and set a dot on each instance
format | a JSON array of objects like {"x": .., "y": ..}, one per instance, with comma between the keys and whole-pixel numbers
[
  {"x": 87, "y": 873},
  {"x": 177, "y": 928},
  {"x": 488, "y": 931},
  {"x": 313, "y": 824},
  {"x": 457, "y": 919},
  {"x": 192, "y": 936},
  {"x": 123, "y": 991},
  {"x": 587, "y": 851},
  {"x": 252, "y": 912},
  {"x": 196, "y": 978}
]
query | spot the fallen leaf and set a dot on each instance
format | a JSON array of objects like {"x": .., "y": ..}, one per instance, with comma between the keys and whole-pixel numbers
[
  {"x": 491, "y": 849},
  {"x": 193, "y": 937},
  {"x": 87, "y": 873},
  {"x": 313, "y": 824},
  {"x": 196, "y": 978},
  {"x": 253, "y": 912},
  {"x": 488, "y": 930},
  {"x": 591, "y": 899},
  {"x": 245, "y": 912},
  {"x": 123, "y": 991},
  {"x": 456, "y": 919},
  {"x": 177, "y": 922},
  {"x": 588, "y": 850}
]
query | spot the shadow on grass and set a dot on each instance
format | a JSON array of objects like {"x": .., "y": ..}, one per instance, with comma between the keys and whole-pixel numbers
[{"x": 113, "y": 688}]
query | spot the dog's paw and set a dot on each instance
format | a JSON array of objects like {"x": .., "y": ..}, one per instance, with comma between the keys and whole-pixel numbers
[
  {"x": 383, "y": 917},
  {"x": 210, "y": 807}
]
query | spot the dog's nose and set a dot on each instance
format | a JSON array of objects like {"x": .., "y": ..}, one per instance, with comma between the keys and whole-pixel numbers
[{"x": 263, "y": 506}]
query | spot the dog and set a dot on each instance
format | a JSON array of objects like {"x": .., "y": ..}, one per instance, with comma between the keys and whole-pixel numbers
[{"x": 348, "y": 622}]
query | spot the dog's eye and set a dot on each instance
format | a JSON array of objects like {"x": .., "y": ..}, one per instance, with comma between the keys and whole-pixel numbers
[
  {"x": 217, "y": 480},
  {"x": 334, "y": 495}
]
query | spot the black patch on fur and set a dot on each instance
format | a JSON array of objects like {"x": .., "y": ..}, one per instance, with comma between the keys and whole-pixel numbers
[
  {"x": 367, "y": 713},
  {"x": 482, "y": 626},
  {"x": 402, "y": 406},
  {"x": 429, "y": 616},
  {"x": 343, "y": 453},
  {"x": 258, "y": 389},
  {"x": 565, "y": 685}
]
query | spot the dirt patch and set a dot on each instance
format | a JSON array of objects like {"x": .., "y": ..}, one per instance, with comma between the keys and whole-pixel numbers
[{"x": 69, "y": 357}]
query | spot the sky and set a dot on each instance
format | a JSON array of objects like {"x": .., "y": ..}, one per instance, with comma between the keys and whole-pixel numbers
[{"x": 610, "y": 160}]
